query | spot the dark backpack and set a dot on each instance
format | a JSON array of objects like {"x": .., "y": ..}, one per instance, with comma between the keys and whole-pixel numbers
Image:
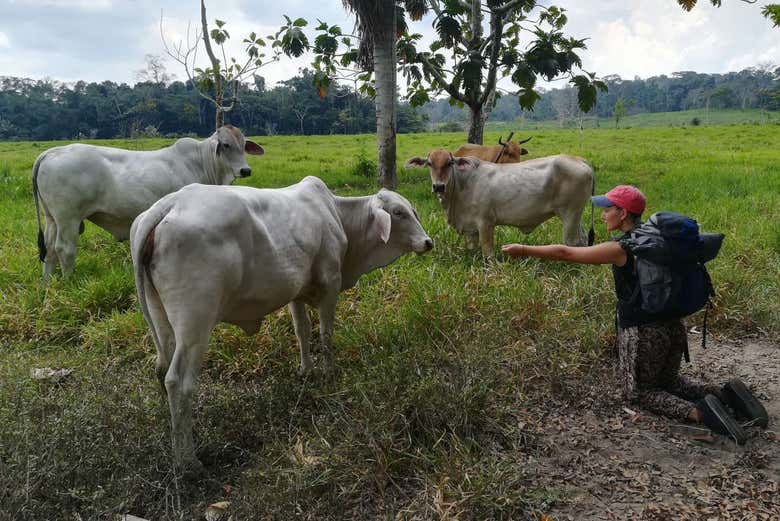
[{"x": 670, "y": 253}]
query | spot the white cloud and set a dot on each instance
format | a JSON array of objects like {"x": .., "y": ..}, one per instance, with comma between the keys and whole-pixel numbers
[
  {"x": 82, "y": 5},
  {"x": 640, "y": 38},
  {"x": 98, "y": 40}
]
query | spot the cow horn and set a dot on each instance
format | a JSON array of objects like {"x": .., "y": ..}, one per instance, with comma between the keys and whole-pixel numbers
[
  {"x": 510, "y": 137},
  {"x": 499, "y": 140},
  {"x": 524, "y": 141}
]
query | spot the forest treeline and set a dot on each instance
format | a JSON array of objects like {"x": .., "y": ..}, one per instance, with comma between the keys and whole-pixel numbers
[
  {"x": 50, "y": 110},
  {"x": 752, "y": 88}
]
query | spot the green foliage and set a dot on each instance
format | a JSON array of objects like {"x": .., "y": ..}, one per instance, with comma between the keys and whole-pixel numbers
[
  {"x": 364, "y": 167},
  {"x": 220, "y": 83},
  {"x": 45, "y": 110},
  {"x": 586, "y": 90},
  {"x": 550, "y": 55},
  {"x": 295, "y": 41},
  {"x": 745, "y": 90},
  {"x": 450, "y": 126},
  {"x": 619, "y": 112},
  {"x": 695, "y": 121},
  {"x": 447, "y": 364},
  {"x": 689, "y": 4},
  {"x": 772, "y": 12},
  {"x": 473, "y": 62}
]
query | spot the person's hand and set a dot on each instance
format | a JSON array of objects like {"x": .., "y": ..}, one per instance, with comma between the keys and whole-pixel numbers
[{"x": 514, "y": 250}]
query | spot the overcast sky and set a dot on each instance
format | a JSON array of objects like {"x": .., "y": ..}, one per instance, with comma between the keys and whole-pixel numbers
[{"x": 96, "y": 40}]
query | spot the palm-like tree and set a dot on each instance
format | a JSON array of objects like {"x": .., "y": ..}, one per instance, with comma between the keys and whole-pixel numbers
[{"x": 377, "y": 26}]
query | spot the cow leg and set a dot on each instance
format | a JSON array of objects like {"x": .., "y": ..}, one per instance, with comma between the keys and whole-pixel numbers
[
  {"x": 327, "y": 312},
  {"x": 472, "y": 240},
  {"x": 573, "y": 231},
  {"x": 302, "y": 326},
  {"x": 486, "y": 239},
  {"x": 180, "y": 383},
  {"x": 165, "y": 340},
  {"x": 65, "y": 244},
  {"x": 50, "y": 239}
]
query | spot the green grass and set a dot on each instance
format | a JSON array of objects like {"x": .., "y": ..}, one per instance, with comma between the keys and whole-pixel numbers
[
  {"x": 683, "y": 118},
  {"x": 436, "y": 354}
]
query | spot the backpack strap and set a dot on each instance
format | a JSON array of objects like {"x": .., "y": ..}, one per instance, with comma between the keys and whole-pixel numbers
[{"x": 704, "y": 327}]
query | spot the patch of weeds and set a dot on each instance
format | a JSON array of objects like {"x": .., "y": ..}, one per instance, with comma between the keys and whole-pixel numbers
[{"x": 364, "y": 167}]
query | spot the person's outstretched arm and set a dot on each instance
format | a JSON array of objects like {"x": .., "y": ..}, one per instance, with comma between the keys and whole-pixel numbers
[{"x": 605, "y": 253}]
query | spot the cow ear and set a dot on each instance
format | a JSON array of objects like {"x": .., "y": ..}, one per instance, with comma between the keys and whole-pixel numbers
[
  {"x": 380, "y": 221},
  {"x": 465, "y": 163},
  {"x": 415, "y": 162},
  {"x": 523, "y": 151},
  {"x": 250, "y": 147}
]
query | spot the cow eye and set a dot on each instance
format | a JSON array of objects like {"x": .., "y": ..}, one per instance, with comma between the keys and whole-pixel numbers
[
  {"x": 226, "y": 145},
  {"x": 398, "y": 213}
]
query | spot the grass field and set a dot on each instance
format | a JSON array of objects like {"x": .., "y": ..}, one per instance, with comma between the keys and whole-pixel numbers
[
  {"x": 437, "y": 354},
  {"x": 683, "y": 118}
]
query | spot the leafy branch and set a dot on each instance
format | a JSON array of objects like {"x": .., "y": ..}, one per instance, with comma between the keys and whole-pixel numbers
[{"x": 228, "y": 72}]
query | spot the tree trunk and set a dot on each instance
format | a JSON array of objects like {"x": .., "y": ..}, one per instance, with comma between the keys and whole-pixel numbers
[
  {"x": 477, "y": 116},
  {"x": 476, "y": 126},
  {"x": 215, "y": 65},
  {"x": 384, "y": 70},
  {"x": 220, "y": 116}
]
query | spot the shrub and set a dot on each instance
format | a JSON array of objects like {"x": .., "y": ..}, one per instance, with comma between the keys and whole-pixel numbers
[
  {"x": 364, "y": 167},
  {"x": 450, "y": 126},
  {"x": 695, "y": 122}
]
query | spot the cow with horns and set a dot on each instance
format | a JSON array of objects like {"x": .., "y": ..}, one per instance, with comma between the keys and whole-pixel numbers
[{"x": 505, "y": 152}]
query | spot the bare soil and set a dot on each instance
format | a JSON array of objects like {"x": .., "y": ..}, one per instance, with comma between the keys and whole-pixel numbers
[{"x": 612, "y": 462}]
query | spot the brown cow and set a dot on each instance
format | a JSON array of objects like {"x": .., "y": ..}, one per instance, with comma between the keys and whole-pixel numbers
[
  {"x": 479, "y": 195},
  {"x": 506, "y": 152}
]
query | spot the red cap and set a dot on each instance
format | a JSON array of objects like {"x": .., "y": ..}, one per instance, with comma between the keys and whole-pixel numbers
[{"x": 624, "y": 196}]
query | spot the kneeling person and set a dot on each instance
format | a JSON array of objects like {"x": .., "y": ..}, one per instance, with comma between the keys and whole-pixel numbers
[{"x": 650, "y": 350}]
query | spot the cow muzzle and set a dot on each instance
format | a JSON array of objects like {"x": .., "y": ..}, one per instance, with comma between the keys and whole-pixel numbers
[
  {"x": 424, "y": 246},
  {"x": 245, "y": 172},
  {"x": 438, "y": 188}
]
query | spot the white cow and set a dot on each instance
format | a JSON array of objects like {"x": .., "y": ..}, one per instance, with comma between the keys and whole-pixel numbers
[
  {"x": 478, "y": 195},
  {"x": 207, "y": 254},
  {"x": 111, "y": 186}
]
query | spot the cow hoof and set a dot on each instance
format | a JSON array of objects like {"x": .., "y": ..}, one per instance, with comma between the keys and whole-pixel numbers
[{"x": 305, "y": 370}]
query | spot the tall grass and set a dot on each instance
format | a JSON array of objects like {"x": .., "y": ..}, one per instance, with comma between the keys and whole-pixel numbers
[{"x": 436, "y": 354}]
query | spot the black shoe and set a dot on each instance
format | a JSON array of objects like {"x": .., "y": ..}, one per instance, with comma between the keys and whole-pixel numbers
[
  {"x": 744, "y": 403},
  {"x": 716, "y": 417}
]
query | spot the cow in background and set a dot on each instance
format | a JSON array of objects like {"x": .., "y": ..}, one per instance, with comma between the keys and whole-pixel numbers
[
  {"x": 210, "y": 254},
  {"x": 111, "y": 186},
  {"x": 478, "y": 195},
  {"x": 505, "y": 152}
]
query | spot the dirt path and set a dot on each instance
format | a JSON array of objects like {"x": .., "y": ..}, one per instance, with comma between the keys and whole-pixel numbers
[{"x": 610, "y": 462}]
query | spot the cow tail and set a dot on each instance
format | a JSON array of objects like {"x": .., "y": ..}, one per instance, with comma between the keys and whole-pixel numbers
[
  {"x": 142, "y": 249},
  {"x": 41, "y": 240},
  {"x": 591, "y": 232}
]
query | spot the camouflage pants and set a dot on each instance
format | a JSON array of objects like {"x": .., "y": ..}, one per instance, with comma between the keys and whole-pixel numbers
[{"x": 649, "y": 369}]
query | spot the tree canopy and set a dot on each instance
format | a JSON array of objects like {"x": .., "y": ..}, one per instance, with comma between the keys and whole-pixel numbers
[{"x": 477, "y": 44}]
